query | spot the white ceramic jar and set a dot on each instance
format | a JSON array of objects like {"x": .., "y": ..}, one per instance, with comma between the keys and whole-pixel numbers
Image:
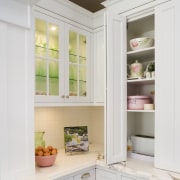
[{"x": 136, "y": 70}]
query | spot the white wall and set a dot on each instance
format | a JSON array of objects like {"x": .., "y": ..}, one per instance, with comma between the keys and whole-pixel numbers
[{"x": 53, "y": 120}]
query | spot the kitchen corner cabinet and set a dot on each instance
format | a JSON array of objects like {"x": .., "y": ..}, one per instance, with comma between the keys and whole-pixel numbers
[
  {"x": 158, "y": 20},
  {"x": 62, "y": 61}
]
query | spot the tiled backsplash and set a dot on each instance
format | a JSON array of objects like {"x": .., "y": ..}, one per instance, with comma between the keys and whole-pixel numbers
[{"x": 53, "y": 120}]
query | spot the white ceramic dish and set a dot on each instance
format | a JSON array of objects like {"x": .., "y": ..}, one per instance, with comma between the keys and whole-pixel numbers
[{"x": 141, "y": 43}]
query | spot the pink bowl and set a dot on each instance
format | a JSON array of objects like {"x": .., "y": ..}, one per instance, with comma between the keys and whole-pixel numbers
[{"x": 45, "y": 161}]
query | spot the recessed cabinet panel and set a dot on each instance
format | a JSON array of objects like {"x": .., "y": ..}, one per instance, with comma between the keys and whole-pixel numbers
[
  {"x": 116, "y": 84},
  {"x": 106, "y": 175},
  {"x": 127, "y": 178}
]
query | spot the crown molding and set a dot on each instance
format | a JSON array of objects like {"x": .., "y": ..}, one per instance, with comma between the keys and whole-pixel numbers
[
  {"x": 28, "y": 2},
  {"x": 75, "y": 7},
  {"x": 108, "y": 3}
]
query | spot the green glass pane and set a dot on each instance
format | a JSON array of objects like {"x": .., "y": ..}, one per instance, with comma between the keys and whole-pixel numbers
[
  {"x": 82, "y": 88},
  {"x": 73, "y": 58},
  {"x": 41, "y": 85},
  {"x": 73, "y": 72},
  {"x": 72, "y": 87},
  {"x": 40, "y": 37},
  {"x": 82, "y": 73},
  {"x": 41, "y": 77},
  {"x": 54, "y": 78},
  {"x": 73, "y": 39},
  {"x": 54, "y": 69},
  {"x": 40, "y": 68},
  {"x": 54, "y": 86},
  {"x": 53, "y": 43},
  {"x": 40, "y": 51},
  {"x": 82, "y": 49},
  {"x": 82, "y": 81},
  {"x": 73, "y": 80}
]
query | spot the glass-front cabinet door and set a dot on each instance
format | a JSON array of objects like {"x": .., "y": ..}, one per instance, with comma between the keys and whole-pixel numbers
[
  {"x": 61, "y": 62},
  {"x": 78, "y": 64},
  {"x": 48, "y": 59}
]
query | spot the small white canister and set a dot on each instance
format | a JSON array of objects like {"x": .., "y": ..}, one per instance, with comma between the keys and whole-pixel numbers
[{"x": 148, "y": 106}]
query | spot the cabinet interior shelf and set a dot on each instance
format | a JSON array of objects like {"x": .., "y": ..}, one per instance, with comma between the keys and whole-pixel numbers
[
  {"x": 55, "y": 77},
  {"x": 47, "y": 48},
  {"x": 141, "y": 54},
  {"x": 77, "y": 80},
  {"x": 141, "y": 81},
  {"x": 151, "y": 111},
  {"x": 77, "y": 55}
]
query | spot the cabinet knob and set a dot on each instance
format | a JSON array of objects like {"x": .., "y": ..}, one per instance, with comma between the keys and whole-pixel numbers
[
  {"x": 85, "y": 175},
  {"x": 63, "y": 96},
  {"x": 67, "y": 96}
]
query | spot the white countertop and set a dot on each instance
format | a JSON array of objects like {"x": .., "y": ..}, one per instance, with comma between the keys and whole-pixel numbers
[
  {"x": 66, "y": 164},
  {"x": 145, "y": 169}
]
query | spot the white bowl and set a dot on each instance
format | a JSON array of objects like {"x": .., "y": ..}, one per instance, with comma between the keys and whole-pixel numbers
[{"x": 141, "y": 43}]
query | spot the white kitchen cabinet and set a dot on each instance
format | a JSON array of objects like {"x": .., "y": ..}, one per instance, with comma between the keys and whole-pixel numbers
[
  {"x": 126, "y": 178},
  {"x": 62, "y": 61},
  {"x": 121, "y": 122},
  {"x": 106, "y": 174},
  {"x": 68, "y": 178},
  {"x": 16, "y": 92},
  {"x": 85, "y": 174}
]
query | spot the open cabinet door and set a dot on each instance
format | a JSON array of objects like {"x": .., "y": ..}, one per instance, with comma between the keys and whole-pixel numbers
[
  {"x": 167, "y": 90},
  {"x": 115, "y": 116}
]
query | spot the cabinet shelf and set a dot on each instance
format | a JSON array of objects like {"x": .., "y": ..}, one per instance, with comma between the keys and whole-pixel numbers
[
  {"x": 41, "y": 76},
  {"x": 77, "y": 80},
  {"x": 55, "y": 50},
  {"x": 151, "y": 111},
  {"x": 141, "y": 81},
  {"x": 77, "y": 55},
  {"x": 141, "y": 54}
]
